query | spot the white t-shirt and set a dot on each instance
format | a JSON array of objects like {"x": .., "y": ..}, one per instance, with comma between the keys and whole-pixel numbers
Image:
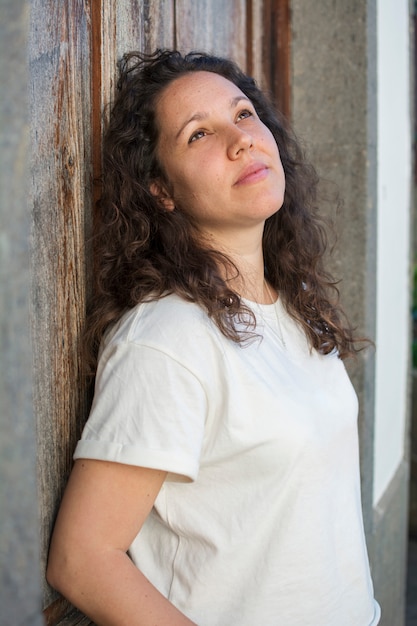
[{"x": 260, "y": 520}]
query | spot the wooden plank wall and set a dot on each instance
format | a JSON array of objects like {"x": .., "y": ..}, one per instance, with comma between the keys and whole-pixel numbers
[
  {"x": 60, "y": 69},
  {"x": 217, "y": 27},
  {"x": 74, "y": 46}
]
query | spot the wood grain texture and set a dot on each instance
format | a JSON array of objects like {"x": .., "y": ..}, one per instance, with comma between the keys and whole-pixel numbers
[
  {"x": 75, "y": 618},
  {"x": 55, "y": 611},
  {"x": 212, "y": 26},
  {"x": 131, "y": 25},
  {"x": 254, "y": 45},
  {"x": 275, "y": 60},
  {"x": 61, "y": 205}
]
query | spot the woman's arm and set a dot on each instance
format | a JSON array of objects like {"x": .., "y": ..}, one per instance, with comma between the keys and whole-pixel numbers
[{"x": 103, "y": 509}]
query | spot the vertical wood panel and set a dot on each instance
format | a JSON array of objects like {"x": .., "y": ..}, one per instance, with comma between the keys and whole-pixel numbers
[
  {"x": 132, "y": 25},
  {"x": 212, "y": 26},
  {"x": 255, "y": 14},
  {"x": 281, "y": 52},
  {"x": 59, "y": 92},
  {"x": 276, "y": 51}
]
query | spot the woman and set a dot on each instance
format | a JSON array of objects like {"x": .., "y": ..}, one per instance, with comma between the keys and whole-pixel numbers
[{"x": 221, "y": 449}]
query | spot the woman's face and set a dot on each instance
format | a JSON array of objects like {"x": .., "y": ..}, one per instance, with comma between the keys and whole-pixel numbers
[{"x": 221, "y": 162}]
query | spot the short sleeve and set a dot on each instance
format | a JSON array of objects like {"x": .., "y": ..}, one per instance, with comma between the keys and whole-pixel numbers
[{"x": 148, "y": 410}]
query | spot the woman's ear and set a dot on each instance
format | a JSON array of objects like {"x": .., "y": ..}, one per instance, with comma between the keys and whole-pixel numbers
[{"x": 160, "y": 192}]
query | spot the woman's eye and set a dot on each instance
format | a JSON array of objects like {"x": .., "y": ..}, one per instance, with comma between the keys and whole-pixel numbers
[
  {"x": 197, "y": 135},
  {"x": 244, "y": 114}
]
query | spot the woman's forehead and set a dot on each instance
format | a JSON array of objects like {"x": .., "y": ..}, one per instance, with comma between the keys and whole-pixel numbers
[{"x": 195, "y": 94}]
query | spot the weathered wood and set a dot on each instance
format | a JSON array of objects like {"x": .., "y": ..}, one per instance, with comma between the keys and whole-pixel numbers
[
  {"x": 282, "y": 52},
  {"x": 120, "y": 26},
  {"x": 56, "y": 610},
  {"x": 212, "y": 26},
  {"x": 61, "y": 201},
  {"x": 254, "y": 44},
  {"x": 276, "y": 51},
  {"x": 75, "y": 618},
  {"x": 63, "y": 75},
  {"x": 128, "y": 25}
]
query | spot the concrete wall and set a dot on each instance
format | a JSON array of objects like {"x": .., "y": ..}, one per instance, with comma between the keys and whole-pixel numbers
[
  {"x": 20, "y": 596},
  {"x": 334, "y": 114},
  {"x": 347, "y": 99}
]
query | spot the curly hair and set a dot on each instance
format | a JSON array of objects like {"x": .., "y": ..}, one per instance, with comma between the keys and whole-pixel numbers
[{"x": 143, "y": 252}]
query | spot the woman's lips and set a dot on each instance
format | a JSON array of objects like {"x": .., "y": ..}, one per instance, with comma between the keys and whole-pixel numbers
[{"x": 253, "y": 173}]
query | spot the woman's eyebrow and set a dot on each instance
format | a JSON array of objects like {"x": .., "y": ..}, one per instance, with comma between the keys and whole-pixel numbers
[
  {"x": 237, "y": 99},
  {"x": 198, "y": 116}
]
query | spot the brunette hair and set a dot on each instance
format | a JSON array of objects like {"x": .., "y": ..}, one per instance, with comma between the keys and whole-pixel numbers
[{"x": 143, "y": 251}]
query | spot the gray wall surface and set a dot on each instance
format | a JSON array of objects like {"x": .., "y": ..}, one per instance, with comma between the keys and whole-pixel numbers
[
  {"x": 334, "y": 113},
  {"x": 20, "y": 595}
]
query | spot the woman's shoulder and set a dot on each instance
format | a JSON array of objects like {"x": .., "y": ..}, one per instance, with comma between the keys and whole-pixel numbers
[{"x": 170, "y": 321}]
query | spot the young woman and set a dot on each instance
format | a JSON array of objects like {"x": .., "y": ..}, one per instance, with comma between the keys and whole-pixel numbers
[{"x": 217, "y": 479}]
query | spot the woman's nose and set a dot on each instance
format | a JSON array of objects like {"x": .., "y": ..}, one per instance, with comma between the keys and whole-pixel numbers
[{"x": 239, "y": 141}]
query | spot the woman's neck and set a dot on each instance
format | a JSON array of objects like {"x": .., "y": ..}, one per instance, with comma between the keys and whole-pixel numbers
[
  {"x": 250, "y": 283},
  {"x": 245, "y": 251}
]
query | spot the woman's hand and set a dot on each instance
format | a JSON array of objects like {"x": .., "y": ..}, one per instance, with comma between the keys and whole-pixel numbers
[{"x": 104, "y": 507}]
